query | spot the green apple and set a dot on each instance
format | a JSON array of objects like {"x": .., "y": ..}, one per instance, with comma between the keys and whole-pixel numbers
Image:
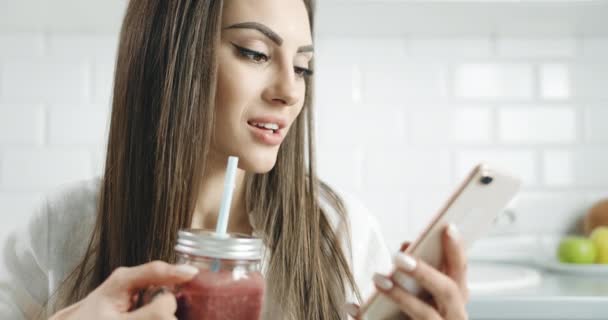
[
  {"x": 574, "y": 249},
  {"x": 599, "y": 236}
]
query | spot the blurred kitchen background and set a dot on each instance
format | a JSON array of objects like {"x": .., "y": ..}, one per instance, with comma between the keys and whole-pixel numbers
[{"x": 410, "y": 95}]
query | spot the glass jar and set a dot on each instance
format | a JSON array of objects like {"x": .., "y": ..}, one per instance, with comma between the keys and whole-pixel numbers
[{"x": 229, "y": 284}]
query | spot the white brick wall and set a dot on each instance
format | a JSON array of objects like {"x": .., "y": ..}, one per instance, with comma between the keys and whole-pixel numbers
[
  {"x": 509, "y": 81},
  {"x": 444, "y": 125},
  {"x": 589, "y": 79},
  {"x": 537, "y": 125},
  {"x": 15, "y": 207},
  {"x": 394, "y": 168},
  {"x": 21, "y": 44},
  {"x": 26, "y": 169},
  {"x": 54, "y": 97},
  {"x": 445, "y": 47},
  {"x": 78, "y": 125},
  {"x": 44, "y": 80},
  {"x": 341, "y": 166},
  {"x": 526, "y": 47},
  {"x": 535, "y": 106},
  {"x": 557, "y": 210},
  {"x": 595, "y": 47},
  {"x": 555, "y": 81},
  {"x": 21, "y": 125},
  {"x": 387, "y": 81},
  {"x": 597, "y": 129},
  {"x": 401, "y": 119},
  {"x": 583, "y": 167},
  {"x": 336, "y": 122}
]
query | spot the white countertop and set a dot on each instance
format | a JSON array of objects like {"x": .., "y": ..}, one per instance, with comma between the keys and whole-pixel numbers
[{"x": 555, "y": 295}]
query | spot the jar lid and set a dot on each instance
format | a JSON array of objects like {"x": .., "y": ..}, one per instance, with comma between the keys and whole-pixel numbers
[{"x": 206, "y": 243}]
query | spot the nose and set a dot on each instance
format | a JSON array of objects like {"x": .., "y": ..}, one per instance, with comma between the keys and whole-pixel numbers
[{"x": 283, "y": 89}]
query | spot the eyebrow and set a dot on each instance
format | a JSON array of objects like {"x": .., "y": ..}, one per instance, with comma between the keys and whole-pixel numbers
[{"x": 268, "y": 33}]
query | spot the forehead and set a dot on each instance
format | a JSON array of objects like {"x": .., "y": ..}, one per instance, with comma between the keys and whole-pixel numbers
[{"x": 288, "y": 18}]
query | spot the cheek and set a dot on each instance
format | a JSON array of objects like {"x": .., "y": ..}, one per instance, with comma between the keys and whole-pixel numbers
[
  {"x": 236, "y": 88},
  {"x": 229, "y": 102},
  {"x": 300, "y": 107},
  {"x": 226, "y": 88}
]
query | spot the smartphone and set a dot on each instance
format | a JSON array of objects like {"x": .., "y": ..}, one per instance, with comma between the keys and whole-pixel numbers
[{"x": 473, "y": 207}]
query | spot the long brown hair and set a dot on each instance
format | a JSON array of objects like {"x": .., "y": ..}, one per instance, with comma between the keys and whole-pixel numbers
[{"x": 160, "y": 136}]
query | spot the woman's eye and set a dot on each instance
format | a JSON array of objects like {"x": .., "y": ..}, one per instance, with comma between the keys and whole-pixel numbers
[
  {"x": 303, "y": 72},
  {"x": 251, "y": 54}
]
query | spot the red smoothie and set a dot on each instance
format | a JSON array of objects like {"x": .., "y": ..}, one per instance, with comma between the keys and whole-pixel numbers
[{"x": 222, "y": 295}]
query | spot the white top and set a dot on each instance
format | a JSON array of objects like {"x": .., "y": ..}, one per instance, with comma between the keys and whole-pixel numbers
[{"x": 38, "y": 256}]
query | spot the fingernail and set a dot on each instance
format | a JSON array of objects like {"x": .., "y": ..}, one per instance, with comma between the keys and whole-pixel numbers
[
  {"x": 453, "y": 232},
  {"x": 404, "y": 281},
  {"x": 186, "y": 270},
  {"x": 351, "y": 309},
  {"x": 404, "y": 261},
  {"x": 383, "y": 282}
]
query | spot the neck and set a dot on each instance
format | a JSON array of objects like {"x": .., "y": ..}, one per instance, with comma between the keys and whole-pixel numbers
[{"x": 210, "y": 195}]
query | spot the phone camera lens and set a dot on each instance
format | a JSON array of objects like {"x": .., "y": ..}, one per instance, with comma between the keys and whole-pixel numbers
[{"x": 486, "y": 179}]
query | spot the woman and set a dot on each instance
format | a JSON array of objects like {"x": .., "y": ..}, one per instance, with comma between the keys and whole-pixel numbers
[{"x": 197, "y": 81}]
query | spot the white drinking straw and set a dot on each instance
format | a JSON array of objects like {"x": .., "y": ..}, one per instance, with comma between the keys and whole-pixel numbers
[{"x": 222, "y": 220}]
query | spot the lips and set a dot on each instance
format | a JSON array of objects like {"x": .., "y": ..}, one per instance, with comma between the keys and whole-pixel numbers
[
  {"x": 269, "y": 120},
  {"x": 268, "y": 130},
  {"x": 267, "y": 126}
]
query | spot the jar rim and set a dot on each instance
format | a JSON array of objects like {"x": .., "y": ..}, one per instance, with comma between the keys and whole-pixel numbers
[{"x": 203, "y": 242}]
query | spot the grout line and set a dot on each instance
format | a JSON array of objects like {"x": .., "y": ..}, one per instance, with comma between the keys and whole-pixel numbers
[
  {"x": 2, "y": 160},
  {"x": 2, "y": 99},
  {"x": 46, "y": 44},
  {"x": 583, "y": 124},
  {"x": 537, "y": 95},
  {"x": 46, "y": 112},
  {"x": 495, "y": 125},
  {"x": 540, "y": 165},
  {"x": 89, "y": 89}
]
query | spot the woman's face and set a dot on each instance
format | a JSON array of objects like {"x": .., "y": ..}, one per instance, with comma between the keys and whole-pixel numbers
[{"x": 263, "y": 59}]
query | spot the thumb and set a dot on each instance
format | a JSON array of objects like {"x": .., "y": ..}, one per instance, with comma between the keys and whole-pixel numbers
[{"x": 153, "y": 273}]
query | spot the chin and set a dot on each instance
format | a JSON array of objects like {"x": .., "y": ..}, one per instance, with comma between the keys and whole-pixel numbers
[{"x": 258, "y": 162}]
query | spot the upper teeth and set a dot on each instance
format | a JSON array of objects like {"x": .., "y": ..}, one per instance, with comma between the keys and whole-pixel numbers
[{"x": 270, "y": 126}]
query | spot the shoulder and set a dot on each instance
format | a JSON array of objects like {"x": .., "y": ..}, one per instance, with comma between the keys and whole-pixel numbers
[
  {"x": 62, "y": 215},
  {"x": 37, "y": 256},
  {"x": 358, "y": 217},
  {"x": 367, "y": 250},
  {"x": 75, "y": 197},
  {"x": 73, "y": 209},
  {"x": 68, "y": 216},
  {"x": 358, "y": 227},
  {"x": 72, "y": 201}
]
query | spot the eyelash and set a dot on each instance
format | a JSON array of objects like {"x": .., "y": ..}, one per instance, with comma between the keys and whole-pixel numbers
[{"x": 259, "y": 57}]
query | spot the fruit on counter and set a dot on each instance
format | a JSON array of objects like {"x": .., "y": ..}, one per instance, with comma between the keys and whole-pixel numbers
[
  {"x": 575, "y": 249},
  {"x": 599, "y": 236},
  {"x": 596, "y": 216}
]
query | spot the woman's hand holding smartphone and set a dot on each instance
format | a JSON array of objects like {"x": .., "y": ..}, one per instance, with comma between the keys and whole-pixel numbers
[
  {"x": 446, "y": 293},
  {"x": 429, "y": 278}
]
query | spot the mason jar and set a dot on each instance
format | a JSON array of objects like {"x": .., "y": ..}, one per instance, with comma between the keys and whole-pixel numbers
[{"x": 229, "y": 284}]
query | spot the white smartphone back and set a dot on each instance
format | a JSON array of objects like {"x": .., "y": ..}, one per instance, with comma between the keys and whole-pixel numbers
[{"x": 472, "y": 208}]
